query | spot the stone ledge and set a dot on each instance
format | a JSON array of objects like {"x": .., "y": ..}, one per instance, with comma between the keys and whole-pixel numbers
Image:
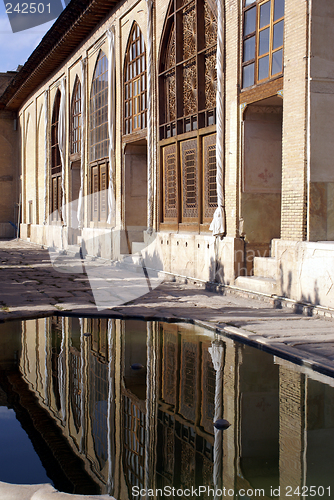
[{"x": 41, "y": 492}]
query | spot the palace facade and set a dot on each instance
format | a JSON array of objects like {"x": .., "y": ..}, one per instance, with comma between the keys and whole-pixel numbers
[{"x": 199, "y": 130}]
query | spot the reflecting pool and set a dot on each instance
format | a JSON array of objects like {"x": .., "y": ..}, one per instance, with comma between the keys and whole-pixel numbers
[{"x": 127, "y": 408}]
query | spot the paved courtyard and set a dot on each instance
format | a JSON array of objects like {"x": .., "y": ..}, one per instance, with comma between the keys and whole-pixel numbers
[{"x": 33, "y": 284}]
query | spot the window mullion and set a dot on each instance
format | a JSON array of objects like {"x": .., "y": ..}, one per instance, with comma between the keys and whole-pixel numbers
[{"x": 271, "y": 36}]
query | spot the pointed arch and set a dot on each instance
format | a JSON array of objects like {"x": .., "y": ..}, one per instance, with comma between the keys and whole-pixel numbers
[
  {"x": 187, "y": 103},
  {"x": 188, "y": 55},
  {"x": 76, "y": 117},
  {"x": 99, "y": 140},
  {"x": 135, "y": 82},
  {"x": 56, "y": 192}
]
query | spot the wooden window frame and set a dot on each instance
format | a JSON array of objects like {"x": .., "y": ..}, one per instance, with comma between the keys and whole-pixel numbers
[
  {"x": 256, "y": 33},
  {"x": 76, "y": 129},
  {"x": 135, "y": 83},
  {"x": 183, "y": 125},
  {"x": 98, "y": 111},
  {"x": 55, "y": 177},
  {"x": 201, "y": 116},
  {"x": 99, "y": 136},
  {"x": 99, "y": 181}
]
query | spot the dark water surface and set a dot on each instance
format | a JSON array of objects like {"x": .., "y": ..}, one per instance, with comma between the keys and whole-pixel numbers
[{"x": 127, "y": 408}]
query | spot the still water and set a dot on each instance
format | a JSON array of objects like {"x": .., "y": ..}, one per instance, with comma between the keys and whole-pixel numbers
[{"x": 127, "y": 408}]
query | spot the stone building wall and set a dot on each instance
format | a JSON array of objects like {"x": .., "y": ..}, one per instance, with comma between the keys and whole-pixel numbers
[{"x": 8, "y": 174}]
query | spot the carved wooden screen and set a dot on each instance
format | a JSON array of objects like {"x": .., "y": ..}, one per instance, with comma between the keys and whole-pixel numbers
[
  {"x": 170, "y": 182},
  {"x": 209, "y": 172},
  {"x": 135, "y": 105},
  {"x": 99, "y": 140},
  {"x": 187, "y": 80},
  {"x": 189, "y": 165},
  {"x": 56, "y": 193},
  {"x": 76, "y": 118}
]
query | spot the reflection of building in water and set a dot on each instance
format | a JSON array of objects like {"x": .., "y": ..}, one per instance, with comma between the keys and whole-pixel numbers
[
  {"x": 154, "y": 426},
  {"x": 69, "y": 373},
  {"x": 185, "y": 410}
]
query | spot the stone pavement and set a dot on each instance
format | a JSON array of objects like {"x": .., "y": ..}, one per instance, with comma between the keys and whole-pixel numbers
[{"x": 32, "y": 286}]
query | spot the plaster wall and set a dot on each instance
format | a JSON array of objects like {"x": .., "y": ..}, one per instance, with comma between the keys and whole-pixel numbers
[
  {"x": 261, "y": 196},
  {"x": 9, "y": 160},
  {"x": 321, "y": 101},
  {"x": 135, "y": 200}
]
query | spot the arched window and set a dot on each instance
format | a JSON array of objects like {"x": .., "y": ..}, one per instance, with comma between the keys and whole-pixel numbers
[
  {"x": 187, "y": 102},
  {"x": 135, "y": 105},
  {"x": 76, "y": 118},
  {"x": 56, "y": 192},
  {"x": 188, "y": 69},
  {"x": 99, "y": 139}
]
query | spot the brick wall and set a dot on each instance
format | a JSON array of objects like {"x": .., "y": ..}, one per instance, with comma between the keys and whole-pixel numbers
[
  {"x": 291, "y": 425},
  {"x": 232, "y": 38},
  {"x": 293, "y": 215}
]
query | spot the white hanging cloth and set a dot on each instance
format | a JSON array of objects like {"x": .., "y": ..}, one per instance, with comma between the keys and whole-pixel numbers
[
  {"x": 83, "y": 130},
  {"x": 46, "y": 144},
  {"x": 149, "y": 116},
  {"x": 111, "y": 122},
  {"x": 62, "y": 142},
  {"x": 218, "y": 223}
]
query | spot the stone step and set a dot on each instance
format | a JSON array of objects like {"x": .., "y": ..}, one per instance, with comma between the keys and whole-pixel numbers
[
  {"x": 73, "y": 250},
  {"x": 257, "y": 284},
  {"x": 137, "y": 246},
  {"x": 265, "y": 266}
]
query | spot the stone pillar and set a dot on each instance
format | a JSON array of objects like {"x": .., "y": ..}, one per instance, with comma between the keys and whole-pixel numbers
[
  {"x": 232, "y": 33},
  {"x": 294, "y": 151},
  {"x": 291, "y": 429}
]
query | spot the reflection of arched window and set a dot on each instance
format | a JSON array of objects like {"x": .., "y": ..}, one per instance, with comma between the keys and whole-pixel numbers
[
  {"x": 55, "y": 160},
  {"x": 76, "y": 118},
  {"x": 135, "y": 105},
  {"x": 99, "y": 139},
  {"x": 187, "y": 102}
]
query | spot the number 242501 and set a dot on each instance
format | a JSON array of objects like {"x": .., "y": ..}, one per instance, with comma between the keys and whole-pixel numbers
[{"x": 28, "y": 8}]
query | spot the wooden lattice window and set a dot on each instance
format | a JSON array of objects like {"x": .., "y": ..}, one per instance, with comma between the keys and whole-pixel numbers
[
  {"x": 56, "y": 193},
  {"x": 187, "y": 80},
  {"x": 135, "y": 103},
  {"x": 170, "y": 182},
  {"x": 99, "y": 138},
  {"x": 99, "y": 186},
  {"x": 76, "y": 118},
  {"x": 263, "y": 32},
  {"x": 189, "y": 179},
  {"x": 210, "y": 172}
]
